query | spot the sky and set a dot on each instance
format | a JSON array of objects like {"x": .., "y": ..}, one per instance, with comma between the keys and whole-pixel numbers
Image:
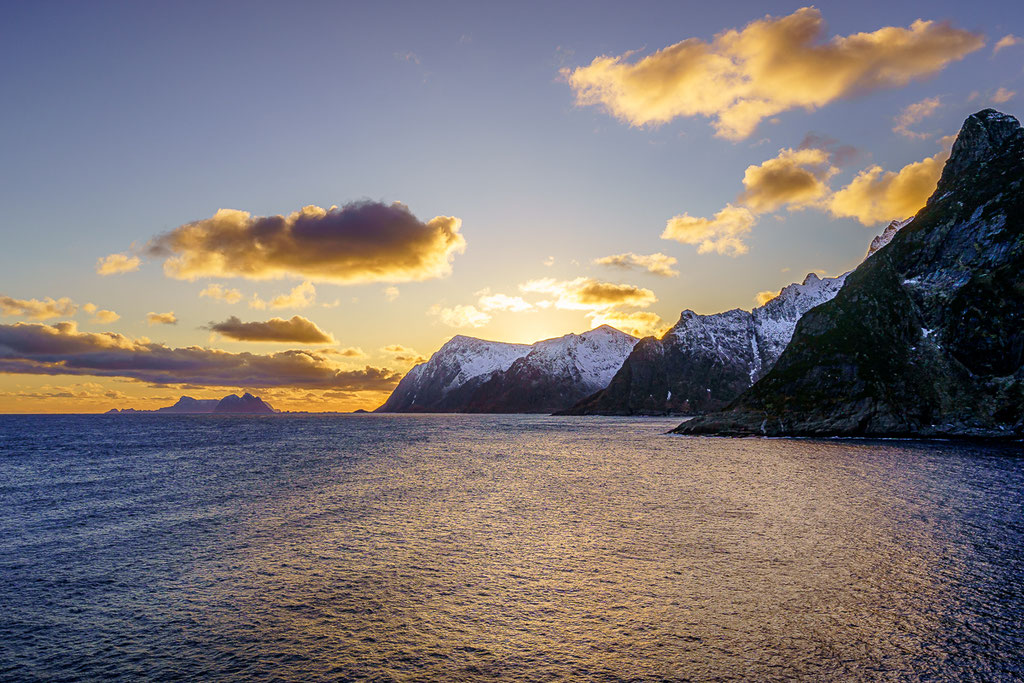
[{"x": 303, "y": 200}]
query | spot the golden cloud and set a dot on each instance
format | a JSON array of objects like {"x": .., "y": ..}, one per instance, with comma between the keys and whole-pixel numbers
[
  {"x": 585, "y": 293},
  {"x": 876, "y": 196},
  {"x": 297, "y": 329},
  {"x": 914, "y": 113},
  {"x": 656, "y": 264},
  {"x": 105, "y": 316},
  {"x": 764, "y": 297},
  {"x": 117, "y": 263},
  {"x": 1006, "y": 41},
  {"x": 460, "y": 315},
  {"x": 167, "y": 318},
  {"x": 36, "y": 309},
  {"x": 391, "y": 293},
  {"x": 722, "y": 234},
  {"x": 1003, "y": 95},
  {"x": 796, "y": 178},
  {"x": 301, "y": 296},
  {"x": 218, "y": 292},
  {"x": 403, "y": 354},
  {"x": 60, "y": 349},
  {"x": 361, "y": 242},
  {"x": 503, "y": 302},
  {"x": 772, "y": 65}
]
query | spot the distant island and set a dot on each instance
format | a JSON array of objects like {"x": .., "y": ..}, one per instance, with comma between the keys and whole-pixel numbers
[{"x": 246, "y": 404}]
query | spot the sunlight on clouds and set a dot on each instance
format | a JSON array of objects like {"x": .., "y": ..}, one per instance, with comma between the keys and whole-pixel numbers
[
  {"x": 764, "y": 297},
  {"x": 914, "y": 113},
  {"x": 636, "y": 323},
  {"x": 1003, "y": 95},
  {"x": 722, "y": 234},
  {"x": 297, "y": 329},
  {"x": 461, "y": 315},
  {"x": 586, "y": 293},
  {"x": 796, "y": 178},
  {"x": 117, "y": 263},
  {"x": 391, "y": 293},
  {"x": 1006, "y": 41},
  {"x": 772, "y": 65},
  {"x": 220, "y": 293},
  {"x": 301, "y": 296},
  {"x": 503, "y": 302},
  {"x": 36, "y": 309},
  {"x": 167, "y": 318},
  {"x": 358, "y": 243},
  {"x": 877, "y": 196},
  {"x": 655, "y": 264}
]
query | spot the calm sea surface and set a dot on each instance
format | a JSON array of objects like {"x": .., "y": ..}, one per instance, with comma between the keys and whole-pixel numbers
[{"x": 499, "y": 547}]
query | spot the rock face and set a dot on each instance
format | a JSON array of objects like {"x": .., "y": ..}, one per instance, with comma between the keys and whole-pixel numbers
[
  {"x": 887, "y": 235},
  {"x": 705, "y": 361},
  {"x": 246, "y": 404},
  {"x": 187, "y": 405},
  {"x": 927, "y": 336},
  {"x": 469, "y": 375}
]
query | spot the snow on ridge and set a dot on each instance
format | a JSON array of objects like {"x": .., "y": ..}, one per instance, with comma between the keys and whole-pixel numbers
[{"x": 887, "y": 234}]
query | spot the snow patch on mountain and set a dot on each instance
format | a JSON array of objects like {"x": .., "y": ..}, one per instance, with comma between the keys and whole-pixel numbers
[{"x": 887, "y": 235}]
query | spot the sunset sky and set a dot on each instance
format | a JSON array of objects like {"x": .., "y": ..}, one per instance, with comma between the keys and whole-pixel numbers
[{"x": 512, "y": 172}]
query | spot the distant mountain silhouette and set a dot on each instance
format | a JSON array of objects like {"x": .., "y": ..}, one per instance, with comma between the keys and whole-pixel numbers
[{"x": 246, "y": 404}]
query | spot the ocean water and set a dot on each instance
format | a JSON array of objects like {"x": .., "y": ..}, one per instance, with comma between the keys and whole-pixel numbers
[{"x": 529, "y": 548}]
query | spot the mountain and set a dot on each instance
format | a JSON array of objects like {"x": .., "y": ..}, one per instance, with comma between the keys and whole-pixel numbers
[
  {"x": 231, "y": 404},
  {"x": 927, "y": 337},
  {"x": 705, "y": 361},
  {"x": 470, "y": 375},
  {"x": 189, "y": 405},
  {"x": 246, "y": 404},
  {"x": 887, "y": 235}
]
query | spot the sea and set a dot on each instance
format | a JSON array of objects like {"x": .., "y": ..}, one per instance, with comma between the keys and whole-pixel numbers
[{"x": 501, "y": 548}]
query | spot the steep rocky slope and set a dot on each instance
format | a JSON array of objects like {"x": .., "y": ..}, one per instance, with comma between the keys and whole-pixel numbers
[
  {"x": 927, "y": 336},
  {"x": 705, "y": 361}
]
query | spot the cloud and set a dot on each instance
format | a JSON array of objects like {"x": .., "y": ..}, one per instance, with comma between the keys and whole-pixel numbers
[
  {"x": 117, "y": 263},
  {"x": 361, "y": 242},
  {"x": 1003, "y": 95},
  {"x": 35, "y": 309},
  {"x": 297, "y": 329},
  {"x": 770, "y": 66},
  {"x": 1006, "y": 41},
  {"x": 796, "y": 178},
  {"x": 656, "y": 264},
  {"x": 914, "y": 113},
  {"x": 722, "y": 234},
  {"x": 764, "y": 297},
  {"x": 839, "y": 155},
  {"x": 220, "y": 293},
  {"x": 391, "y": 293},
  {"x": 460, "y": 315},
  {"x": 105, "y": 316},
  {"x": 60, "y": 349},
  {"x": 636, "y": 323},
  {"x": 585, "y": 293},
  {"x": 503, "y": 302},
  {"x": 350, "y": 352},
  {"x": 876, "y": 196},
  {"x": 403, "y": 354},
  {"x": 167, "y": 318},
  {"x": 301, "y": 296}
]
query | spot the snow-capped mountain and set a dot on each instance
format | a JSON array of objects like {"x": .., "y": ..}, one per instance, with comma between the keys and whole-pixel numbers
[
  {"x": 705, "y": 361},
  {"x": 887, "y": 235},
  {"x": 474, "y": 375}
]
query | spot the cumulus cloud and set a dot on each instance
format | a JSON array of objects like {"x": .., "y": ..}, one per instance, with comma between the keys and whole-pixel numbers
[
  {"x": 350, "y": 352},
  {"x": 656, "y": 264},
  {"x": 218, "y": 292},
  {"x": 1003, "y": 95},
  {"x": 1006, "y": 41},
  {"x": 117, "y": 263},
  {"x": 60, "y": 349},
  {"x": 503, "y": 302},
  {"x": 636, "y": 323},
  {"x": 167, "y": 318},
  {"x": 770, "y": 66},
  {"x": 586, "y": 293},
  {"x": 36, "y": 309},
  {"x": 358, "y": 243},
  {"x": 723, "y": 233},
  {"x": 914, "y": 113},
  {"x": 876, "y": 196},
  {"x": 297, "y": 329},
  {"x": 104, "y": 315},
  {"x": 796, "y": 178},
  {"x": 403, "y": 354},
  {"x": 460, "y": 315},
  {"x": 301, "y": 296}
]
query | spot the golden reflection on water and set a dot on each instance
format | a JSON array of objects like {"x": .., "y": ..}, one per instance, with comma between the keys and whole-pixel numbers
[{"x": 570, "y": 554}]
